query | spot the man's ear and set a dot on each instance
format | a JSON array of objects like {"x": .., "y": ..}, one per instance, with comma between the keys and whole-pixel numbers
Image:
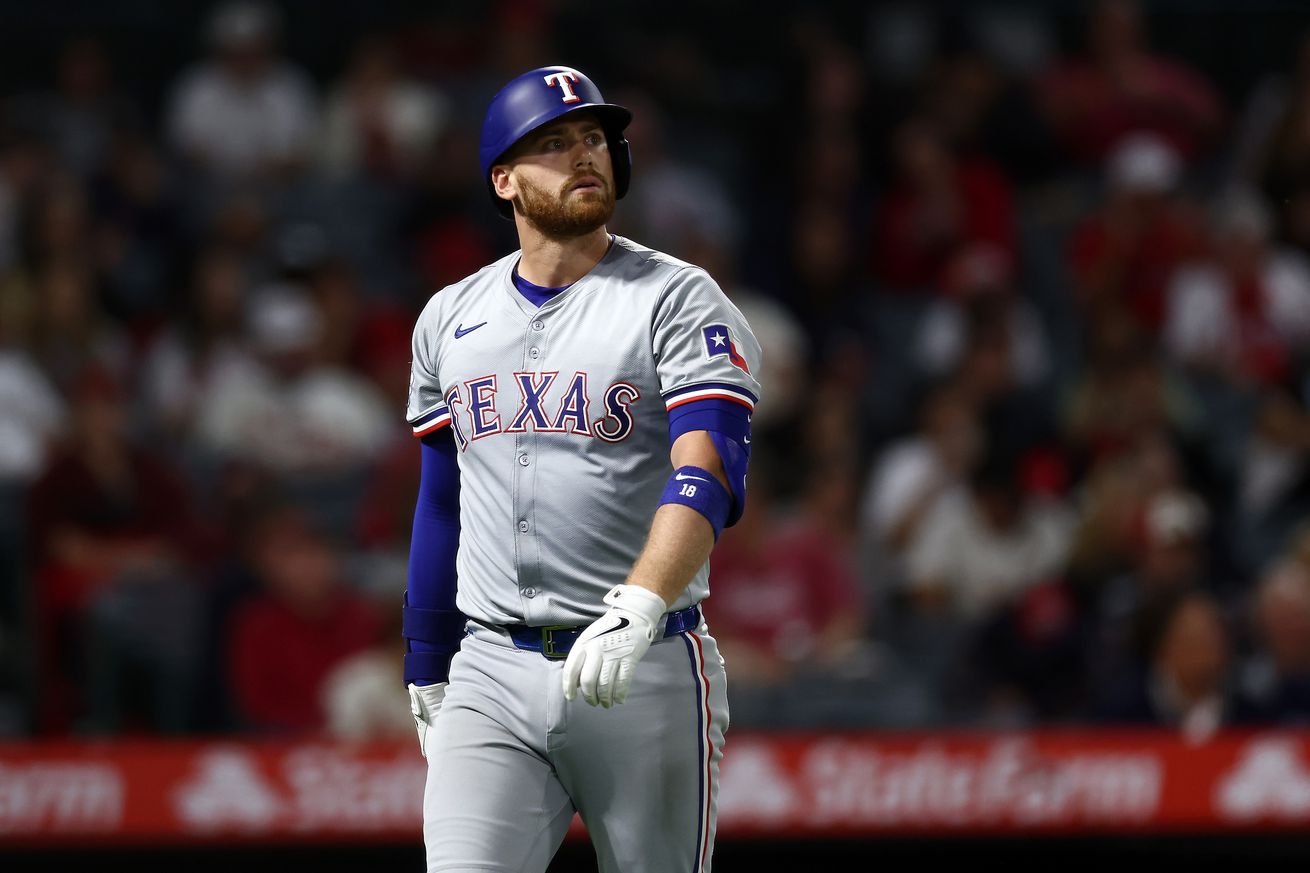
[{"x": 502, "y": 182}]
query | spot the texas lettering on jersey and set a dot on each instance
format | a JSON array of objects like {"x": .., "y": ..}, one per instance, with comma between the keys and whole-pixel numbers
[{"x": 478, "y": 407}]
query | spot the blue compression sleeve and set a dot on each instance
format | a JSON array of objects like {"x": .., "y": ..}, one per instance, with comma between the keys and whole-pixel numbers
[
  {"x": 433, "y": 624},
  {"x": 712, "y": 414},
  {"x": 729, "y": 427}
]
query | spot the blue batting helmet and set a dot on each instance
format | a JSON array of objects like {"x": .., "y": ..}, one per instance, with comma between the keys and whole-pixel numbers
[{"x": 541, "y": 96}]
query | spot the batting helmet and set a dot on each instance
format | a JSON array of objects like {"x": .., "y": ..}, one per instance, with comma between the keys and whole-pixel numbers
[{"x": 541, "y": 96}]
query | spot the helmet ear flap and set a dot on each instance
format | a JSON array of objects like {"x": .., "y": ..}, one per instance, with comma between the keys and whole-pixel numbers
[{"x": 621, "y": 159}]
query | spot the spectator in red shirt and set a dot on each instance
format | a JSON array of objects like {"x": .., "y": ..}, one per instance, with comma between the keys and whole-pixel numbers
[
  {"x": 783, "y": 594},
  {"x": 1120, "y": 86},
  {"x": 939, "y": 203},
  {"x": 285, "y": 642},
  {"x": 1123, "y": 255},
  {"x": 112, "y": 538}
]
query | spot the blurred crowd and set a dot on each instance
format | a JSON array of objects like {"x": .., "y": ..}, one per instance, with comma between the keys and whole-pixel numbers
[{"x": 1034, "y": 446}]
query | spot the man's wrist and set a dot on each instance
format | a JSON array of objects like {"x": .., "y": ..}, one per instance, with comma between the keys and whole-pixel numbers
[{"x": 638, "y": 599}]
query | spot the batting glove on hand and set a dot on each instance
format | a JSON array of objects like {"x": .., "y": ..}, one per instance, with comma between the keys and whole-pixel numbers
[
  {"x": 603, "y": 659},
  {"x": 425, "y": 703}
]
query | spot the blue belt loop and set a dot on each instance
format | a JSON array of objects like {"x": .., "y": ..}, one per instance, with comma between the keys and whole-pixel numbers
[{"x": 555, "y": 641}]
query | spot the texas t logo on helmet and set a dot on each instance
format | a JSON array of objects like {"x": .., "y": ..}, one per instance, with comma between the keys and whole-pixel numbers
[
  {"x": 539, "y": 97},
  {"x": 565, "y": 81}
]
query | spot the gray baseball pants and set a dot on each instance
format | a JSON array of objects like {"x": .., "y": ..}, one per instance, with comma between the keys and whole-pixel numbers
[{"x": 510, "y": 761}]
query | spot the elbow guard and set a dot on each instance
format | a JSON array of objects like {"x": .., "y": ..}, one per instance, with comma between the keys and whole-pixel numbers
[
  {"x": 438, "y": 633},
  {"x": 729, "y": 426},
  {"x": 736, "y": 457}
]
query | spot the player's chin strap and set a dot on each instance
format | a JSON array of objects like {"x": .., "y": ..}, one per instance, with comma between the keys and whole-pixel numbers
[{"x": 442, "y": 629}]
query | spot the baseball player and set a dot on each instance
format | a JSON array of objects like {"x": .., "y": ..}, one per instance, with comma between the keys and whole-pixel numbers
[{"x": 584, "y": 407}]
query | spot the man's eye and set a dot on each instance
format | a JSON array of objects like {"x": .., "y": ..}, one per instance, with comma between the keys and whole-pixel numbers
[
  {"x": 554, "y": 144},
  {"x": 595, "y": 139}
]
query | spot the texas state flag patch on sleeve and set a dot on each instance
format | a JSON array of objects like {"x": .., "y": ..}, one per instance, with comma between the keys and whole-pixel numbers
[{"x": 718, "y": 341}]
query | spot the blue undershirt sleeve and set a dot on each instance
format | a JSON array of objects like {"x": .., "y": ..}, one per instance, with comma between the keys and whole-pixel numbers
[{"x": 433, "y": 625}]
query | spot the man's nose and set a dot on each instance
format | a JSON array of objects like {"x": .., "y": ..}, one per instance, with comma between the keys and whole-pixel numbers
[{"x": 584, "y": 154}]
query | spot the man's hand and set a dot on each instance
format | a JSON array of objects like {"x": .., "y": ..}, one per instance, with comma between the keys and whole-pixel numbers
[
  {"x": 425, "y": 703},
  {"x": 604, "y": 657}
]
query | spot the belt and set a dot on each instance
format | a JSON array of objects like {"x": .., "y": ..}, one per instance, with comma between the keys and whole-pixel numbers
[{"x": 556, "y": 640}]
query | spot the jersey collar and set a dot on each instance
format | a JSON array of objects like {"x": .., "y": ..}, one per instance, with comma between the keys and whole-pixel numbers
[{"x": 528, "y": 308}]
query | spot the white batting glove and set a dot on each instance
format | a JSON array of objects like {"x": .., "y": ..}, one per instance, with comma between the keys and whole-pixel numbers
[
  {"x": 602, "y": 661},
  {"x": 425, "y": 703}
]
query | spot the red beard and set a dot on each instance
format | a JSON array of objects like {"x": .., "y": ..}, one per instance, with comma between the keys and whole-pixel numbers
[{"x": 565, "y": 216}]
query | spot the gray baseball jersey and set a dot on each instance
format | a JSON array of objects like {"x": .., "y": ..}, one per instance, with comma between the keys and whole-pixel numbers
[{"x": 560, "y": 414}]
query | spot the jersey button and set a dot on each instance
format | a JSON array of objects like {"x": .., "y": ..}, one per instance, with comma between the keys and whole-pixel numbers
[
  {"x": 523, "y": 527},
  {"x": 534, "y": 353},
  {"x": 538, "y": 325},
  {"x": 529, "y": 592},
  {"x": 523, "y": 460}
]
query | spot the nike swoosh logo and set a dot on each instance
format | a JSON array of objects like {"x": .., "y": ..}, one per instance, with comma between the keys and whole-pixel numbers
[
  {"x": 461, "y": 330},
  {"x": 623, "y": 622},
  {"x": 680, "y": 477}
]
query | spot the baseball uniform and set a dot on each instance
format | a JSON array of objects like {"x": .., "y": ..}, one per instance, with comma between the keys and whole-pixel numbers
[{"x": 559, "y": 416}]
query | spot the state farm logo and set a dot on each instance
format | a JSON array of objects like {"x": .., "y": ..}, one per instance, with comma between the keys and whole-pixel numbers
[
  {"x": 331, "y": 789},
  {"x": 844, "y": 783},
  {"x": 754, "y": 785},
  {"x": 1270, "y": 779},
  {"x": 309, "y": 789},
  {"x": 61, "y": 797},
  {"x": 227, "y": 791}
]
